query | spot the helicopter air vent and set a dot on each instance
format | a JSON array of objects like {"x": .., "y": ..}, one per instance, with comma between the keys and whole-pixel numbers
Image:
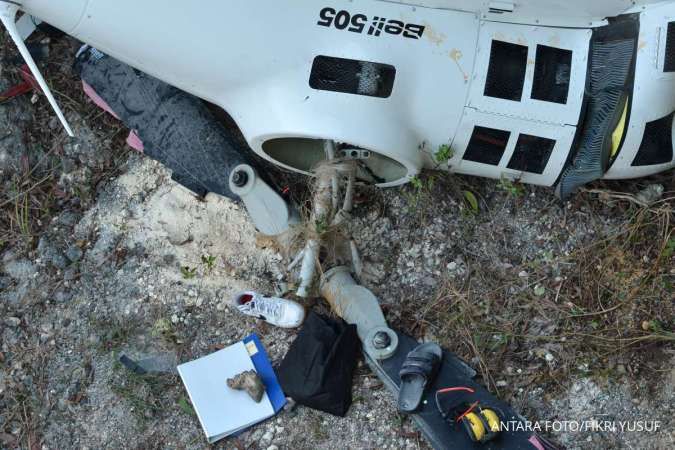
[
  {"x": 669, "y": 62},
  {"x": 487, "y": 145},
  {"x": 506, "y": 72},
  {"x": 351, "y": 76},
  {"x": 531, "y": 154},
  {"x": 657, "y": 143},
  {"x": 552, "y": 74}
]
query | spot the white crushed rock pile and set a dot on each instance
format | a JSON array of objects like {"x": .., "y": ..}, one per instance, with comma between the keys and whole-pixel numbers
[{"x": 128, "y": 294}]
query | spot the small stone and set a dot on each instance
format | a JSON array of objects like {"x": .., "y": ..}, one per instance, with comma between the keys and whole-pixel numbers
[
  {"x": 268, "y": 436},
  {"x": 174, "y": 318},
  {"x": 292, "y": 404},
  {"x": 256, "y": 435},
  {"x": 650, "y": 194},
  {"x": 523, "y": 274},
  {"x": 59, "y": 261},
  {"x": 19, "y": 270},
  {"x": 272, "y": 447},
  {"x": 70, "y": 274},
  {"x": 74, "y": 253},
  {"x": 452, "y": 266},
  {"x": 621, "y": 369},
  {"x": 502, "y": 383},
  {"x": 62, "y": 296},
  {"x": 13, "y": 321},
  {"x": 549, "y": 357}
]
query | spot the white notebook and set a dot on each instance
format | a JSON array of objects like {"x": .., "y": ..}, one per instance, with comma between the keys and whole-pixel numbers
[{"x": 222, "y": 411}]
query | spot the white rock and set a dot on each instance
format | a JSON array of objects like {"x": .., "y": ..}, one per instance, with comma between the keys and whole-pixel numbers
[{"x": 268, "y": 436}]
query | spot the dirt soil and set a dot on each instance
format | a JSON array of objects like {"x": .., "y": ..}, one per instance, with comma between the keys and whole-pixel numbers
[{"x": 564, "y": 309}]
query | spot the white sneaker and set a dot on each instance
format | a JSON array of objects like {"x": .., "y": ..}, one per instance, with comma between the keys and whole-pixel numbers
[{"x": 277, "y": 311}]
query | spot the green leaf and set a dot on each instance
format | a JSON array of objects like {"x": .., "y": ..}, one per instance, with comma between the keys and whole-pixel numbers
[
  {"x": 416, "y": 182},
  {"x": 188, "y": 272},
  {"x": 209, "y": 261},
  {"x": 669, "y": 250},
  {"x": 443, "y": 154},
  {"x": 321, "y": 225},
  {"x": 471, "y": 200},
  {"x": 512, "y": 188},
  {"x": 539, "y": 290}
]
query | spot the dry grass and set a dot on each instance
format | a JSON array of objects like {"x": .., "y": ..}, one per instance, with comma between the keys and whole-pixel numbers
[
  {"x": 29, "y": 199},
  {"x": 612, "y": 300},
  {"x": 32, "y": 196}
]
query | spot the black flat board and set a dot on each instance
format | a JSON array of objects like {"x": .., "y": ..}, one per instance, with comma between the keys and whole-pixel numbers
[{"x": 454, "y": 372}]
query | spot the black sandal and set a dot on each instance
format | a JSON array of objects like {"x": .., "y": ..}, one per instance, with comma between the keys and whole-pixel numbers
[{"x": 417, "y": 372}]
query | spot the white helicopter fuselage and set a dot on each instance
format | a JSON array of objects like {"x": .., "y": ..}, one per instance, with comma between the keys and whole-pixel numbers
[{"x": 505, "y": 87}]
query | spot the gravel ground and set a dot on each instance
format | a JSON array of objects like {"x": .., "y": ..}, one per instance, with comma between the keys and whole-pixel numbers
[{"x": 116, "y": 266}]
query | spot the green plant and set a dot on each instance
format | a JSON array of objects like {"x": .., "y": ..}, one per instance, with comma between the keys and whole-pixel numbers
[
  {"x": 113, "y": 335},
  {"x": 416, "y": 182},
  {"x": 321, "y": 225},
  {"x": 185, "y": 406},
  {"x": 499, "y": 340},
  {"x": 652, "y": 325},
  {"x": 188, "y": 272},
  {"x": 513, "y": 188},
  {"x": 443, "y": 154},
  {"x": 669, "y": 249},
  {"x": 22, "y": 216},
  {"x": 161, "y": 326},
  {"x": 209, "y": 262},
  {"x": 420, "y": 192}
]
